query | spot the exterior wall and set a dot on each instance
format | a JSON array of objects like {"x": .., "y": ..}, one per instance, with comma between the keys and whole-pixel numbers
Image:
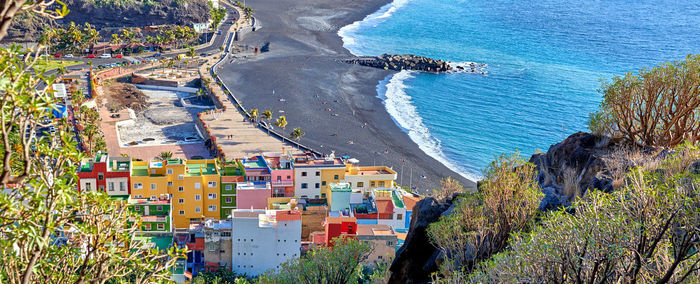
[
  {"x": 328, "y": 176},
  {"x": 160, "y": 182},
  {"x": 383, "y": 248},
  {"x": 311, "y": 179},
  {"x": 339, "y": 200},
  {"x": 117, "y": 185},
  {"x": 217, "y": 248},
  {"x": 252, "y": 198},
  {"x": 282, "y": 181},
  {"x": 256, "y": 249},
  {"x": 398, "y": 221},
  {"x": 88, "y": 184},
  {"x": 226, "y": 195}
]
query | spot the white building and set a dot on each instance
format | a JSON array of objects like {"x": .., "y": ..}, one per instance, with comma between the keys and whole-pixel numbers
[
  {"x": 59, "y": 91},
  {"x": 308, "y": 174},
  {"x": 264, "y": 239}
]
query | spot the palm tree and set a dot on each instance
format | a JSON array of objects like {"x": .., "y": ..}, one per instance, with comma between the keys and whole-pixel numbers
[
  {"x": 254, "y": 114},
  {"x": 267, "y": 115},
  {"x": 296, "y": 135},
  {"x": 164, "y": 156},
  {"x": 281, "y": 122},
  {"x": 115, "y": 39}
]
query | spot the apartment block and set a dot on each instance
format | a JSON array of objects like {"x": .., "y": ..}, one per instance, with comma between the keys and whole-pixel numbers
[
  {"x": 106, "y": 174},
  {"x": 264, "y": 239},
  {"x": 313, "y": 174},
  {"x": 232, "y": 172},
  {"x": 156, "y": 215}
]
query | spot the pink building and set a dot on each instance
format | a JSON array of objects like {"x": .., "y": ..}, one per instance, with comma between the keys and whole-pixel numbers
[
  {"x": 281, "y": 172},
  {"x": 252, "y": 195}
]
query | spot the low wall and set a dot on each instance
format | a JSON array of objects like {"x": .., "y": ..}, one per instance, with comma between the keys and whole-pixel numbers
[{"x": 166, "y": 88}]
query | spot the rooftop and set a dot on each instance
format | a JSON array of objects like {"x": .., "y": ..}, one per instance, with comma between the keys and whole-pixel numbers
[
  {"x": 341, "y": 186},
  {"x": 338, "y": 220},
  {"x": 139, "y": 170},
  {"x": 252, "y": 185},
  {"x": 374, "y": 230},
  {"x": 160, "y": 242},
  {"x": 307, "y": 160},
  {"x": 254, "y": 163},
  {"x": 233, "y": 168},
  {"x": 201, "y": 167}
]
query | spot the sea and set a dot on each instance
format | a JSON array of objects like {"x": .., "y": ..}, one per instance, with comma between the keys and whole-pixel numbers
[{"x": 545, "y": 60}]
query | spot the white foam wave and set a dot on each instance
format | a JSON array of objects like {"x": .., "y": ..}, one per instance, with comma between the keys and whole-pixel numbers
[
  {"x": 349, "y": 32},
  {"x": 399, "y": 105}
]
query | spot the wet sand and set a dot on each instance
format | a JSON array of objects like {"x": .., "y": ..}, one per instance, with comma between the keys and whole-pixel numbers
[{"x": 335, "y": 103}]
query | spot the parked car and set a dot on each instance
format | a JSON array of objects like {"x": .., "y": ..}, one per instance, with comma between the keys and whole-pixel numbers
[
  {"x": 106, "y": 55},
  {"x": 68, "y": 56},
  {"x": 118, "y": 56},
  {"x": 44, "y": 55},
  {"x": 90, "y": 56},
  {"x": 218, "y": 32},
  {"x": 57, "y": 55},
  {"x": 157, "y": 54}
]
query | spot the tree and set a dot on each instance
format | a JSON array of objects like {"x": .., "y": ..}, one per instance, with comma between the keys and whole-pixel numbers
[
  {"x": 267, "y": 116},
  {"x": 254, "y": 115},
  {"x": 481, "y": 223},
  {"x": 645, "y": 232},
  {"x": 115, "y": 39},
  {"x": 281, "y": 122},
  {"x": 165, "y": 156},
  {"x": 296, "y": 135},
  {"x": 191, "y": 52},
  {"x": 657, "y": 107},
  {"x": 336, "y": 264},
  {"x": 90, "y": 133},
  {"x": 11, "y": 8},
  {"x": 50, "y": 232},
  {"x": 448, "y": 187}
]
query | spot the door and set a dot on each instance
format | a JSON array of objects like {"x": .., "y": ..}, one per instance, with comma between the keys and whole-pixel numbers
[{"x": 145, "y": 210}]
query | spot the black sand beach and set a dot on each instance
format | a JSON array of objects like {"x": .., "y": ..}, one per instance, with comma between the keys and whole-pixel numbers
[{"x": 335, "y": 103}]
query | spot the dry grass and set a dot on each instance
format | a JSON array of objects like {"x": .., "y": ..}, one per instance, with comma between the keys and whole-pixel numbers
[{"x": 571, "y": 189}]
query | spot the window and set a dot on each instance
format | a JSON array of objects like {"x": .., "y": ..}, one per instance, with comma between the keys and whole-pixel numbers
[
  {"x": 225, "y": 234},
  {"x": 389, "y": 243},
  {"x": 380, "y": 257},
  {"x": 323, "y": 183},
  {"x": 182, "y": 212},
  {"x": 211, "y": 184},
  {"x": 212, "y": 195},
  {"x": 335, "y": 177},
  {"x": 197, "y": 185},
  {"x": 197, "y": 209},
  {"x": 212, "y": 247},
  {"x": 371, "y": 183},
  {"x": 111, "y": 186},
  {"x": 318, "y": 174},
  {"x": 399, "y": 216},
  {"x": 159, "y": 208},
  {"x": 228, "y": 187},
  {"x": 170, "y": 183},
  {"x": 153, "y": 197},
  {"x": 212, "y": 208},
  {"x": 303, "y": 174},
  {"x": 88, "y": 186},
  {"x": 153, "y": 186},
  {"x": 318, "y": 185},
  {"x": 180, "y": 189},
  {"x": 161, "y": 227},
  {"x": 360, "y": 184},
  {"x": 304, "y": 185},
  {"x": 289, "y": 177},
  {"x": 136, "y": 185},
  {"x": 381, "y": 183},
  {"x": 147, "y": 227},
  {"x": 100, "y": 176},
  {"x": 137, "y": 208},
  {"x": 170, "y": 171},
  {"x": 197, "y": 197},
  {"x": 102, "y": 188},
  {"x": 180, "y": 177},
  {"x": 153, "y": 171},
  {"x": 181, "y": 201},
  {"x": 229, "y": 199},
  {"x": 323, "y": 195},
  {"x": 138, "y": 196},
  {"x": 122, "y": 186}
]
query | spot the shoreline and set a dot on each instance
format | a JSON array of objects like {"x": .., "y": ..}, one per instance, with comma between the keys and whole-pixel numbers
[{"x": 335, "y": 103}]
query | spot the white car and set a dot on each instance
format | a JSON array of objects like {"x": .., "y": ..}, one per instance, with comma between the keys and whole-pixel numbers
[
  {"x": 68, "y": 56},
  {"x": 106, "y": 55}
]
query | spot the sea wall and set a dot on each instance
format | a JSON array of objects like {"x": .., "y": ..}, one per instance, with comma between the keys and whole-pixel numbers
[{"x": 402, "y": 62}]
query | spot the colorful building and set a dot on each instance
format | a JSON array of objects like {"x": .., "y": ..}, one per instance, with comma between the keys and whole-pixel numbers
[
  {"x": 313, "y": 174},
  {"x": 252, "y": 195},
  {"x": 217, "y": 244},
  {"x": 111, "y": 175},
  {"x": 232, "y": 172},
  {"x": 382, "y": 240},
  {"x": 194, "y": 186},
  {"x": 264, "y": 239},
  {"x": 256, "y": 170},
  {"x": 390, "y": 208},
  {"x": 156, "y": 215},
  {"x": 339, "y": 226},
  {"x": 281, "y": 173},
  {"x": 368, "y": 178},
  {"x": 339, "y": 196}
]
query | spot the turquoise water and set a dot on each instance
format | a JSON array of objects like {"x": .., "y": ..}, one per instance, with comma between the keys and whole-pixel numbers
[{"x": 545, "y": 62}]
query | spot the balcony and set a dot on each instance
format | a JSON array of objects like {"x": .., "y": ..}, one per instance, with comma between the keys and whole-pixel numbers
[{"x": 284, "y": 183}]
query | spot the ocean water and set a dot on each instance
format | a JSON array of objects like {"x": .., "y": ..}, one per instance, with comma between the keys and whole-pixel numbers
[{"x": 546, "y": 60}]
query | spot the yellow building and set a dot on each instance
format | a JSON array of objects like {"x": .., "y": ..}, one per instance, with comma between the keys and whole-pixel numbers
[
  {"x": 368, "y": 178},
  {"x": 328, "y": 176},
  {"x": 194, "y": 186}
]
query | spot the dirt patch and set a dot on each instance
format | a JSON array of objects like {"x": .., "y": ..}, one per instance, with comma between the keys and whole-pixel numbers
[{"x": 119, "y": 96}]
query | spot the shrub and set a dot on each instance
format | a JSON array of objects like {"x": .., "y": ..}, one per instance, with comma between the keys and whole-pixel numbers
[{"x": 657, "y": 107}]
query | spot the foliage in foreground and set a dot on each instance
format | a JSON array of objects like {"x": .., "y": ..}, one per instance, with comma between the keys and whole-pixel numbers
[
  {"x": 337, "y": 264},
  {"x": 657, "y": 107},
  {"x": 481, "y": 223},
  {"x": 647, "y": 231}
]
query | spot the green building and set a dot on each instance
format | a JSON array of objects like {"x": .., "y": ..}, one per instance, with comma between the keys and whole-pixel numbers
[
  {"x": 156, "y": 214},
  {"x": 231, "y": 173}
]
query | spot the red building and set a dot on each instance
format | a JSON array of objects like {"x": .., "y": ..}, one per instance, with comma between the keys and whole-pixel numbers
[
  {"x": 339, "y": 226},
  {"x": 111, "y": 175}
]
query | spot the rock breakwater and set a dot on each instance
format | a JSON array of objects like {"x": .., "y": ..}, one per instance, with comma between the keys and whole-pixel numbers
[{"x": 414, "y": 62}]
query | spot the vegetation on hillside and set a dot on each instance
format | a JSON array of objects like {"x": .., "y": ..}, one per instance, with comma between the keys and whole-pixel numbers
[
  {"x": 657, "y": 107},
  {"x": 216, "y": 15}
]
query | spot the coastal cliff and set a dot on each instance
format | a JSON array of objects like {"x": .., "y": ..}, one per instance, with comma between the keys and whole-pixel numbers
[
  {"x": 567, "y": 170},
  {"x": 413, "y": 62}
]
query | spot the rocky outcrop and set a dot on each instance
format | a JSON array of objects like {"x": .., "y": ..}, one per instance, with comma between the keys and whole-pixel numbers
[
  {"x": 133, "y": 13},
  {"x": 417, "y": 258},
  {"x": 413, "y": 62}
]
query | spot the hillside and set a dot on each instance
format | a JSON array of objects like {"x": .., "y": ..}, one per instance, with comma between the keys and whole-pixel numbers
[{"x": 115, "y": 13}]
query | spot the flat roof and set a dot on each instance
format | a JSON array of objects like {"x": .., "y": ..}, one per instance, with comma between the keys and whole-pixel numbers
[
  {"x": 193, "y": 169},
  {"x": 310, "y": 161},
  {"x": 139, "y": 170},
  {"x": 257, "y": 163},
  {"x": 338, "y": 220},
  {"x": 374, "y": 230}
]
